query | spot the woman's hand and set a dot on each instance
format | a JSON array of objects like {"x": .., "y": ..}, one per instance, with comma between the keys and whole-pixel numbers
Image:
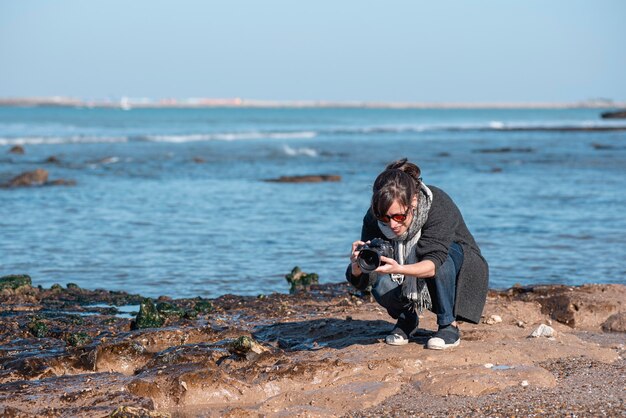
[
  {"x": 356, "y": 270},
  {"x": 389, "y": 266}
]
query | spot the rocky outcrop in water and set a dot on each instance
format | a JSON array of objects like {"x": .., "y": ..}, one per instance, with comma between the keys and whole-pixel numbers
[
  {"x": 38, "y": 177},
  {"x": 618, "y": 114},
  {"x": 17, "y": 149},
  {"x": 305, "y": 179},
  {"x": 67, "y": 351}
]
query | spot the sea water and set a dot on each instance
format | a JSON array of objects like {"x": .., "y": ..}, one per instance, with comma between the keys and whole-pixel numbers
[{"x": 175, "y": 202}]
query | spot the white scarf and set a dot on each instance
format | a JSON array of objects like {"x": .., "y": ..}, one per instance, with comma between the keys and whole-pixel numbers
[{"x": 404, "y": 247}]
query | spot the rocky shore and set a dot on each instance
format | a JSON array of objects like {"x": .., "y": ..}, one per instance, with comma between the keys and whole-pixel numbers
[{"x": 67, "y": 351}]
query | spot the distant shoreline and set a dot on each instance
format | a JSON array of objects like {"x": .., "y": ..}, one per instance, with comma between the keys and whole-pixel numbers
[{"x": 194, "y": 103}]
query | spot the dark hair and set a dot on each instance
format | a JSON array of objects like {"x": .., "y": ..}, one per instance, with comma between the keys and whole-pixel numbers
[{"x": 400, "y": 181}]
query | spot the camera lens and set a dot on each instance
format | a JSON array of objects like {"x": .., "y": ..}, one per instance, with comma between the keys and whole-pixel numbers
[{"x": 369, "y": 260}]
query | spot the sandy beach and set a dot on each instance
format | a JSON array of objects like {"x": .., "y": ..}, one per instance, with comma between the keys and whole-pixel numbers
[{"x": 68, "y": 351}]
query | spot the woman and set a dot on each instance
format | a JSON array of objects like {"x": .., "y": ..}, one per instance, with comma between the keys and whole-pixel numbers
[{"x": 436, "y": 264}]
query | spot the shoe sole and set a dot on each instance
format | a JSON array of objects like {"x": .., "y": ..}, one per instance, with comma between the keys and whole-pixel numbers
[{"x": 445, "y": 346}]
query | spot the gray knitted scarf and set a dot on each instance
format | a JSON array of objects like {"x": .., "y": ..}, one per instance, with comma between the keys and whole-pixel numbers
[{"x": 413, "y": 289}]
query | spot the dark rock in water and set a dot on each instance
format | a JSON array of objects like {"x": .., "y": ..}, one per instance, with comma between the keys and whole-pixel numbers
[
  {"x": 305, "y": 179},
  {"x": 38, "y": 177},
  {"x": 72, "y": 286},
  {"x": 503, "y": 150},
  {"x": 30, "y": 178},
  {"x": 300, "y": 280},
  {"x": 148, "y": 316},
  {"x": 14, "y": 281},
  {"x": 17, "y": 149},
  {"x": 61, "y": 182},
  {"x": 618, "y": 114},
  {"x": 199, "y": 160},
  {"x": 52, "y": 160}
]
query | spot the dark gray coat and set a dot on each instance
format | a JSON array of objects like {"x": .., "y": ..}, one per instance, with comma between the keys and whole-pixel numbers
[{"x": 444, "y": 226}]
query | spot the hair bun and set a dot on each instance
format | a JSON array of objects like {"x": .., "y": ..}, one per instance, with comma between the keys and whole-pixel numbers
[{"x": 407, "y": 167}]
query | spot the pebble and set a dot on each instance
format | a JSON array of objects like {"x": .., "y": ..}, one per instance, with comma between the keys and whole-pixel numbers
[
  {"x": 488, "y": 365},
  {"x": 524, "y": 383},
  {"x": 493, "y": 319},
  {"x": 543, "y": 330}
]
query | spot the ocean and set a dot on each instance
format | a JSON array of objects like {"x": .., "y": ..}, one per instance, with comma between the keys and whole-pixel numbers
[{"x": 174, "y": 201}]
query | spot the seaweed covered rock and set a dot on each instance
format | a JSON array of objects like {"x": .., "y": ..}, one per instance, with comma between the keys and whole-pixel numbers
[
  {"x": 14, "y": 281},
  {"x": 300, "y": 280},
  {"x": 148, "y": 316},
  {"x": 247, "y": 347}
]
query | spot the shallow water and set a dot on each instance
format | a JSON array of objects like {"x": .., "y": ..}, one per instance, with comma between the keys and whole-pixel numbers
[{"x": 546, "y": 206}]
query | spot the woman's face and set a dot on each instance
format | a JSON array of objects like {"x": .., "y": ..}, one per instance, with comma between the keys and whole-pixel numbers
[{"x": 394, "y": 211}]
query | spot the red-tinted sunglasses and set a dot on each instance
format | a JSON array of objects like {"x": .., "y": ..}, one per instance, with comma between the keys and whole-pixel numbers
[{"x": 398, "y": 217}]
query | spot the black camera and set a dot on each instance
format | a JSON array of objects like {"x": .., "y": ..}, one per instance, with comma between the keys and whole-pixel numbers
[{"x": 369, "y": 254}]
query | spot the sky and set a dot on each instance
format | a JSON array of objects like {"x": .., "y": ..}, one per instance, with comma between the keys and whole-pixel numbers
[{"x": 340, "y": 50}]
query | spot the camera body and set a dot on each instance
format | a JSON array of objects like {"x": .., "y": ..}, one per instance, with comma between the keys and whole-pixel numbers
[{"x": 369, "y": 254}]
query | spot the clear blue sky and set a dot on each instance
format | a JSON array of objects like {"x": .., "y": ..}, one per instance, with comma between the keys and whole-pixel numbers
[{"x": 410, "y": 51}]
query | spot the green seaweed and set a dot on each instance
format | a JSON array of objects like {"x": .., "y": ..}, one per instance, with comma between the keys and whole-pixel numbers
[
  {"x": 203, "y": 307},
  {"x": 72, "y": 286},
  {"x": 148, "y": 316},
  {"x": 168, "y": 310},
  {"x": 300, "y": 280},
  {"x": 13, "y": 281},
  {"x": 77, "y": 339},
  {"x": 38, "y": 328}
]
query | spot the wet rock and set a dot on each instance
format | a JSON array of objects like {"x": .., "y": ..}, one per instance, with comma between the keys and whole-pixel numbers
[
  {"x": 17, "y": 149},
  {"x": 619, "y": 114},
  {"x": 199, "y": 160},
  {"x": 37, "y": 177},
  {"x": 300, "y": 280},
  {"x": 14, "y": 281},
  {"x": 53, "y": 160},
  {"x": 203, "y": 307},
  {"x": 61, "y": 182},
  {"x": 615, "y": 323},
  {"x": 148, "y": 316},
  {"x": 543, "y": 330},
  {"x": 77, "y": 339},
  {"x": 305, "y": 179},
  {"x": 504, "y": 150}
]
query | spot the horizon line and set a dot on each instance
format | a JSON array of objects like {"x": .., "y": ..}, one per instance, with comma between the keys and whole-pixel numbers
[{"x": 237, "y": 102}]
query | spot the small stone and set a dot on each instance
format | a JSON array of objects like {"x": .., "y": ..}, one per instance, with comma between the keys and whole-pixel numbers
[
  {"x": 488, "y": 365},
  {"x": 183, "y": 384},
  {"x": 524, "y": 383},
  {"x": 543, "y": 330},
  {"x": 493, "y": 319},
  {"x": 521, "y": 324}
]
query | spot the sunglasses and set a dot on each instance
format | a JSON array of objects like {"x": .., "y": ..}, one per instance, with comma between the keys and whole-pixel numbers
[{"x": 398, "y": 217}]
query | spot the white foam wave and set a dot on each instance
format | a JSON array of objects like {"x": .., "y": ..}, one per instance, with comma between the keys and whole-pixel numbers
[
  {"x": 292, "y": 152},
  {"x": 39, "y": 140},
  {"x": 230, "y": 136}
]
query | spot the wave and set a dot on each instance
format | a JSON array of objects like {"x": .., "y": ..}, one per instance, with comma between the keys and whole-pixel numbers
[
  {"x": 494, "y": 125},
  {"x": 39, "y": 140},
  {"x": 229, "y": 136},
  {"x": 293, "y": 152}
]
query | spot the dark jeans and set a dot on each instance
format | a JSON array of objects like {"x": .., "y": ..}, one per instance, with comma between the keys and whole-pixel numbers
[{"x": 442, "y": 289}]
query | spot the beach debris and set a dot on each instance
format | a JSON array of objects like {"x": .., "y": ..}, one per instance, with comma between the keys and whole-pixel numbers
[
  {"x": 493, "y": 319},
  {"x": 137, "y": 412},
  {"x": 488, "y": 365},
  {"x": 247, "y": 347},
  {"x": 543, "y": 330},
  {"x": 17, "y": 149},
  {"x": 300, "y": 280},
  {"x": 14, "y": 281},
  {"x": 148, "y": 316},
  {"x": 315, "y": 178},
  {"x": 524, "y": 383}
]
